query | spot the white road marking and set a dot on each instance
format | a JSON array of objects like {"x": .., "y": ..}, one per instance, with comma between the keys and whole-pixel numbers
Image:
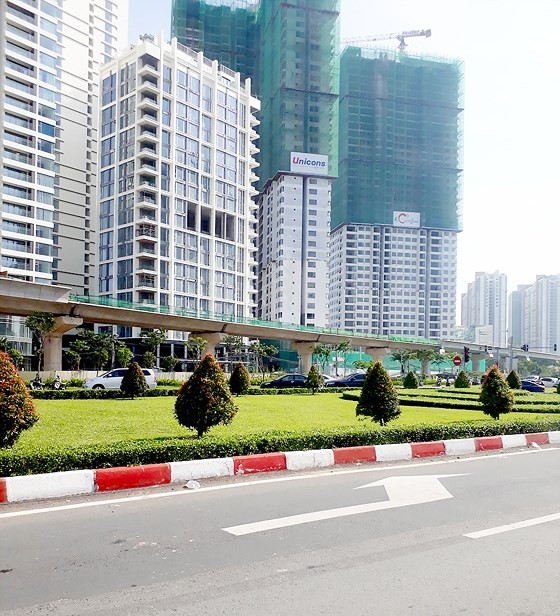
[
  {"x": 335, "y": 471},
  {"x": 513, "y": 526},
  {"x": 402, "y": 491}
]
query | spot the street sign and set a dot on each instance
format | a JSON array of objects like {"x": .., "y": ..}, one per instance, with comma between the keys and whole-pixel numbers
[
  {"x": 457, "y": 360},
  {"x": 401, "y": 492}
]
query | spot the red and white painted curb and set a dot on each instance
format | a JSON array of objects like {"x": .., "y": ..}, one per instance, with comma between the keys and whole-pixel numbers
[{"x": 73, "y": 483}]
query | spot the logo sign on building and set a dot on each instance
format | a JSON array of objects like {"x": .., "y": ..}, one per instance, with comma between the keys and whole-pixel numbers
[
  {"x": 406, "y": 219},
  {"x": 310, "y": 164}
]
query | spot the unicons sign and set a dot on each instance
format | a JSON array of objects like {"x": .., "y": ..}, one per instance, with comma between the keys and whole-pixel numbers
[{"x": 310, "y": 164}]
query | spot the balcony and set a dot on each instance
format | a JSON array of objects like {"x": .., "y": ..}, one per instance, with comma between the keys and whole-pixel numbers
[
  {"x": 147, "y": 182},
  {"x": 148, "y": 69},
  {"x": 149, "y": 85},
  {"x": 148, "y": 118},
  {"x": 149, "y": 135},
  {"x": 147, "y": 232},
  {"x": 146, "y": 201},
  {"x": 147, "y": 216},
  {"x": 146, "y": 281},
  {"x": 146, "y": 249},
  {"x": 146, "y": 265},
  {"x": 147, "y": 167},
  {"x": 148, "y": 102},
  {"x": 148, "y": 150}
]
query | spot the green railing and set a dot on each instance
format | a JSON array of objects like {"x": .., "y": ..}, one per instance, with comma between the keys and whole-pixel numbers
[{"x": 226, "y": 318}]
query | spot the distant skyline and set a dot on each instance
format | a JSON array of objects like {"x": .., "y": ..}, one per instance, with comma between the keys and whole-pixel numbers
[{"x": 511, "y": 120}]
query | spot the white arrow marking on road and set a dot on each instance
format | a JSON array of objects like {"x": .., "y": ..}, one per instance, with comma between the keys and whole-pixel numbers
[{"x": 402, "y": 491}]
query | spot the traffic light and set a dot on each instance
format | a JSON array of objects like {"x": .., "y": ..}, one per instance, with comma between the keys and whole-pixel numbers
[
  {"x": 525, "y": 347},
  {"x": 466, "y": 354}
]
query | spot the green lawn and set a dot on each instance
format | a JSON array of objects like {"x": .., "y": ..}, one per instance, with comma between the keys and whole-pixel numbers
[{"x": 72, "y": 423}]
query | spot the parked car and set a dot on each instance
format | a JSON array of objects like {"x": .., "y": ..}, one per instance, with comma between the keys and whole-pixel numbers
[
  {"x": 290, "y": 380},
  {"x": 548, "y": 381},
  {"x": 113, "y": 379},
  {"x": 352, "y": 380},
  {"x": 329, "y": 381},
  {"x": 532, "y": 386},
  {"x": 531, "y": 377}
]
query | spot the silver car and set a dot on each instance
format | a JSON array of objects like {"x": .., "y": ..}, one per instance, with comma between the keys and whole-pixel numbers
[{"x": 113, "y": 379}]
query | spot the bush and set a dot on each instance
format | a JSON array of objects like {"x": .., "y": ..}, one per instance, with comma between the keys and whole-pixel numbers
[
  {"x": 123, "y": 355},
  {"x": 134, "y": 381},
  {"x": 462, "y": 381},
  {"x": 513, "y": 380},
  {"x": 17, "y": 409},
  {"x": 240, "y": 380},
  {"x": 148, "y": 360},
  {"x": 314, "y": 380},
  {"x": 98, "y": 394},
  {"x": 410, "y": 381},
  {"x": 169, "y": 383},
  {"x": 205, "y": 400},
  {"x": 75, "y": 382},
  {"x": 169, "y": 363},
  {"x": 379, "y": 398},
  {"x": 496, "y": 397}
]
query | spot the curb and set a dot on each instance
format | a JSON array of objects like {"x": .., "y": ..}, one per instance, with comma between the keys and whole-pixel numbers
[{"x": 73, "y": 483}]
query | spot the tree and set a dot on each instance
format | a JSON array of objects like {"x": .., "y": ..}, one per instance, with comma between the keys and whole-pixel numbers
[
  {"x": 134, "y": 382},
  {"x": 314, "y": 379},
  {"x": 403, "y": 356},
  {"x": 496, "y": 397},
  {"x": 410, "y": 381},
  {"x": 260, "y": 351},
  {"x": 100, "y": 347},
  {"x": 378, "y": 399},
  {"x": 17, "y": 358},
  {"x": 362, "y": 364},
  {"x": 73, "y": 359},
  {"x": 148, "y": 360},
  {"x": 196, "y": 345},
  {"x": 205, "y": 400},
  {"x": 341, "y": 347},
  {"x": 513, "y": 380},
  {"x": 240, "y": 380},
  {"x": 423, "y": 355},
  {"x": 462, "y": 381},
  {"x": 323, "y": 353},
  {"x": 17, "y": 409},
  {"x": 123, "y": 355},
  {"x": 78, "y": 348},
  {"x": 100, "y": 357},
  {"x": 152, "y": 339},
  {"x": 41, "y": 324},
  {"x": 528, "y": 366},
  {"x": 233, "y": 346},
  {"x": 443, "y": 358},
  {"x": 169, "y": 363}
]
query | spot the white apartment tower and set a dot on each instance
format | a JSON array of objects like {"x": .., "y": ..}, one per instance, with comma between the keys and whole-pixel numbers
[
  {"x": 177, "y": 219},
  {"x": 393, "y": 280},
  {"x": 51, "y": 52},
  {"x": 484, "y": 308},
  {"x": 294, "y": 219}
]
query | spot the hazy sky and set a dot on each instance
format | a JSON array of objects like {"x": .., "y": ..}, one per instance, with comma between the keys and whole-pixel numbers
[{"x": 511, "y": 120}]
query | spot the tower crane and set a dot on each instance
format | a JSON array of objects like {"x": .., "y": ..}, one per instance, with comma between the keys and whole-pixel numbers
[{"x": 400, "y": 36}]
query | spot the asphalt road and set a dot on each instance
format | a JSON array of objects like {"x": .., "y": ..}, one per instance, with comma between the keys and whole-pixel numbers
[{"x": 383, "y": 551}]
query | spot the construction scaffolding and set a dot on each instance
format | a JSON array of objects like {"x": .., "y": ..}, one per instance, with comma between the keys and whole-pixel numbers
[{"x": 400, "y": 139}]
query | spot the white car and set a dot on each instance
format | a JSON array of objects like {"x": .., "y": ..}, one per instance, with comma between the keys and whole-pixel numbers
[
  {"x": 113, "y": 379},
  {"x": 548, "y": 381}
]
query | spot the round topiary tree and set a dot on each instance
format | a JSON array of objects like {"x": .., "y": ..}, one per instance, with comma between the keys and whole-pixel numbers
[
  {"x": 134, "y": 382},
  {"x": 462, "y": 381},
  {"x": 513, "y": 380},
  {"x": 378, "y": 399},
  {"x": 205, "y": 400},
  {"x": 496, "y": 397},
  {"x": 17, "y": 409},
  {"x": 240, "y": 380},
  {"x": 314, "y": 379},
  {"x": 410, "y": 381}
]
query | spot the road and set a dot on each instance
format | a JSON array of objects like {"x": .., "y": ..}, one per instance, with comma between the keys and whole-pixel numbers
[{"x": 423, "y": 539}]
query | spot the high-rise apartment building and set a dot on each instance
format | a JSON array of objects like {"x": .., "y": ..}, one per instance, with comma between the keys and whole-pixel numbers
[
  {"x": 177, "y": 219},
  {"x": 290, "y": 51},
  {"x": 484, "y": 308},
  {"x": 396, "y": 202},
  {"x": 535, "y": 314}
]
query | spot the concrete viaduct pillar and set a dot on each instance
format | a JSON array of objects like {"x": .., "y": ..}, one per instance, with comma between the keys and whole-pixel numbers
[
  {"x": 425, "y": 369},
  {"x": 53, "y": 342},
  {"x": 305, "y": 350},
  {"x": 213, "y": 339},
  {"x": 377, "y": 353}
]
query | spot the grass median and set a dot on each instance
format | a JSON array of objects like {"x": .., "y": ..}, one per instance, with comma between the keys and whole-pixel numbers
[{"x": 86, "y": 433}]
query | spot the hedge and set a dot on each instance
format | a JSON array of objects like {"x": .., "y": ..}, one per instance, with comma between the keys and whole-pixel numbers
[
  {"x": 97, "y": 394},
  {"x": 155, "y": 451}
]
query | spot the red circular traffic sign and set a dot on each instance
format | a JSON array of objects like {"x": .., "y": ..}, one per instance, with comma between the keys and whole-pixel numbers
[{"x": 457, "y": 360}]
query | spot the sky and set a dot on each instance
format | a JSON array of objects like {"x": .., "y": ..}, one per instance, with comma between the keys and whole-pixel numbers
[{"x": 511, "y": 217}]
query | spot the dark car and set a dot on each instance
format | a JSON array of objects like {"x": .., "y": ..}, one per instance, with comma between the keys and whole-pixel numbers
[
  {"x": 532, "y": 386},
  {"x": 352, "y": 380},
  {"x": 290, "y": 380}
]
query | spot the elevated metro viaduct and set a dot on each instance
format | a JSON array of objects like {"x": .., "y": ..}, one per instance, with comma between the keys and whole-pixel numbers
[{"x": 19, "y": 298}]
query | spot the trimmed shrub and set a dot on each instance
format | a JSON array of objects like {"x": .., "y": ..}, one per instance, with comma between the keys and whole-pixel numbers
[
  {"x": 462, "y": 381},
  {"x": 513, "y": 380},
  {"x": 410, "y": 381},
  {"x": 134, "y": 382},
  {"x": 378, "y": 399},
  {"x": 17, "y": 409},
  {"x": 240, "y": 380},
  {"x": 496, "y": 397},
  {"x": 205, "y": 400},
  {"x": 314, "y": 379}
]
